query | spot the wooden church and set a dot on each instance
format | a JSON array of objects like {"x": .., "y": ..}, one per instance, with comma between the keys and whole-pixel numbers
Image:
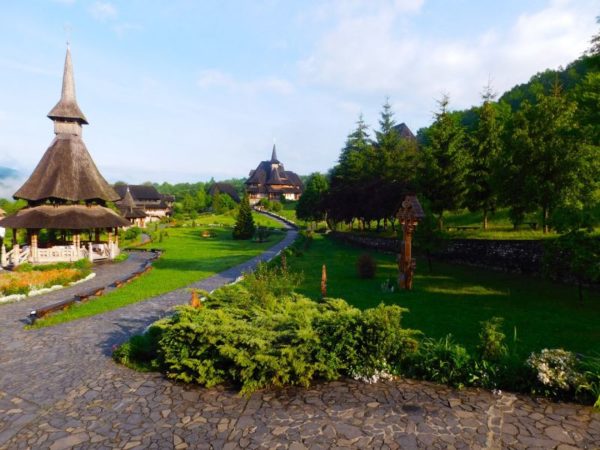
[
  {"x": 270, "y": 180},
  {"x": 66, "y": 197}
]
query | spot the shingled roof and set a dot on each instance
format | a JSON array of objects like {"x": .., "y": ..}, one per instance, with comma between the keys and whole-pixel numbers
[
  {"x": 140, "y": 192},
  {"x": 128, "y": 208},
  {"x": 404, "y": 132},
  {"x": 66, "y": 172},
  {"x": 67, "y": 107},
  {"x": 69, "y": 217}
]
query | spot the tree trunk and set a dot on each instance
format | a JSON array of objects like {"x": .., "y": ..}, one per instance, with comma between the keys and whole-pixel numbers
[
  {"x": 545, "y": 216},
  {"x": 485, "y": 219}
]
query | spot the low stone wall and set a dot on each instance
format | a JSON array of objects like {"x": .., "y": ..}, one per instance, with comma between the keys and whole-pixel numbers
[{"x": 514, "y": 256}]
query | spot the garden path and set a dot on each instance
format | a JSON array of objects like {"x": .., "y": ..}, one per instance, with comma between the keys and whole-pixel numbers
[{"x": 60, "y": 389}]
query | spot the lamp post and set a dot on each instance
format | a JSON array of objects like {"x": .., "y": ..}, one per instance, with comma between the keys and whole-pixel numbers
[{"x": 409, "y": 216}]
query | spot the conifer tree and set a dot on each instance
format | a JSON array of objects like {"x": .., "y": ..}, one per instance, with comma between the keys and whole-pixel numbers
[
  {"x": 445, "y": 165},
  {"x": 244, "y": 224},
  {"x": 485, "y": 147}
]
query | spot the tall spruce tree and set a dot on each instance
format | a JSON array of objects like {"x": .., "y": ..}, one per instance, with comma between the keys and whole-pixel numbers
[
  {"x": 485, "y": 147},
  {"x": 445, "y": 163},
  {"x": 244, "y": 224},
  {"x": 349, "y": 176}
]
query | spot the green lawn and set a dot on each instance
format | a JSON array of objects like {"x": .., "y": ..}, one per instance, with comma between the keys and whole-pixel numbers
[
  {"x": 454, "y": 299},
  {"x": 188, "y": 257}
]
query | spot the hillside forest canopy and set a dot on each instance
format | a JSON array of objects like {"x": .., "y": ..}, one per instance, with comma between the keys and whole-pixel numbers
[{"x": 536, "y": 149}]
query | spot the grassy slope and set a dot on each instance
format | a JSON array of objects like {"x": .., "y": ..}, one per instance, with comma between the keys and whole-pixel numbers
[
  {"x": 454, "y": 299},
  {"x": 188, "y": 258}
]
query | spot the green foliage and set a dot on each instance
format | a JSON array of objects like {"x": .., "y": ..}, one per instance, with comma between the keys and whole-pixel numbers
[
  {"x": 244, "y": 225},
  {"x": 140, "y": 352},
  {"x": 440, "y": 360},
  {"x": 547, "y": 161},
  {"x": 262, "y": 233},
  {"x": 484, "y": 146},
  {"x": 575, "y": 254},
  {"x": 366, "y": 266},
  {"x": 310, "y": 207},
  {"x": 132, "y": 233},
  {"x": 445, "y": 163},
  {"x": 258, "y": 333},
  {"x": 491, "y": 340}
]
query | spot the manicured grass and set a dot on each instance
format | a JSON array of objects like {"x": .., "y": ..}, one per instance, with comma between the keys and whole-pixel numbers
[
  {"x": 188, "y": 257},
  {"x": 228, "y": 220},
  {"x": 454, "y": 299},
  {"x": 289, "y": 211}
]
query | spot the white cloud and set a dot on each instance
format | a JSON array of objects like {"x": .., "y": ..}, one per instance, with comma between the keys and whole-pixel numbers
[
  {"x": 121, "y": 29},
  {"x": 212, "y": 78},
  {"x": 378, "y": 53},
  {"x": 102, "y": 10}
]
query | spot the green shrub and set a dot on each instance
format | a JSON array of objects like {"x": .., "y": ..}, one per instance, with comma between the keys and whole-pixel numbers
[
  {"x": 442, "y": 361},
  {"x": 491, "y": 340},
  {"x": 132, "y": 233},
  {"x": 366, "y": 266},
  {"x": 259, "y": 333},
  {"x": 140, "y": 352}
]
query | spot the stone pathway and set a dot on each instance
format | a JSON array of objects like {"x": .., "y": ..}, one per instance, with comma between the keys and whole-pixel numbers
[{"x": 59, "y": 389}]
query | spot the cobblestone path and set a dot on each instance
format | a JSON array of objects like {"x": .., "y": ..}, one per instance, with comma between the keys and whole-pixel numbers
[{"x": 59, "y": 389}]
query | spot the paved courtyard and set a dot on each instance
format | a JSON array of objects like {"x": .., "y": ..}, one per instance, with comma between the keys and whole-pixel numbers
[{"x": 60, "y": 389}]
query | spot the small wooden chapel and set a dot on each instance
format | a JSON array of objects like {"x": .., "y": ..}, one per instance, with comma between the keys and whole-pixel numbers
[{"x": 66, "y": 197}]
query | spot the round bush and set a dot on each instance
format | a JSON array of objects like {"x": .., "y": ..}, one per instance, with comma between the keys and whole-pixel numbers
[{"x": 366, "y": 266}]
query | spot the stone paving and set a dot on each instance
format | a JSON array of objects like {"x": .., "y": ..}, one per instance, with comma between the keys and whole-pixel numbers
[{"x": 60, "y": 389}]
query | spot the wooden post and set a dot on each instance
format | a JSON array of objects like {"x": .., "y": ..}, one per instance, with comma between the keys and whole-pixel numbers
[
  {"x": 195, "y": 301},
  {"x": 76, "y": 244},
  {"x": 324, "y": 282},
  {"x": 409, "y": 216},
  {"x": 16, "y": 254},
  {"x": 34, "y": 246},
  {"x": 111, "y": 253}
]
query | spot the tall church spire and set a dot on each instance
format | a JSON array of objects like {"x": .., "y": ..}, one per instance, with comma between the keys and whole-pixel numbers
[
  {"x": 66, "y": 114},
  {"x": 274, "y": 159}
]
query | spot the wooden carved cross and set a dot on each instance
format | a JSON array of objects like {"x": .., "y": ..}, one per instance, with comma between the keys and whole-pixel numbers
[{"x": 409, "y": 216}]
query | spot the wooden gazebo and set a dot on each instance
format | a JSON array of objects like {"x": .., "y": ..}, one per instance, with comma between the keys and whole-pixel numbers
[{"x": 66, "y": 196}]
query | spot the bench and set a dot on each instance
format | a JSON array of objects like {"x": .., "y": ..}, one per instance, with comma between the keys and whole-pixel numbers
[
  {"x": 44, "y": 311},
  {"x": 97, "y": 292}
]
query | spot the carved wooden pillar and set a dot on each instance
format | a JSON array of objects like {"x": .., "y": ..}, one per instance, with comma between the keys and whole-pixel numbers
[
  {"x": 3, "y": 259},
  {"x": 409, "y": 216},
  {"x": 111, "y": 253},
  {"x": 34, "y": 246}
]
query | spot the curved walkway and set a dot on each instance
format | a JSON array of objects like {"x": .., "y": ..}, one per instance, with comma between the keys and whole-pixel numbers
[{"x": 59, "y": 389}]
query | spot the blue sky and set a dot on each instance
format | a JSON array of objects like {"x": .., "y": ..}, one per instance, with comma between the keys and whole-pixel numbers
[{"x": 184, "y": 90}]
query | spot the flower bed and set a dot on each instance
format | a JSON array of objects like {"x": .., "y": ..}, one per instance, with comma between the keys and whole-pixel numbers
[{"x": 30, "y": 280}]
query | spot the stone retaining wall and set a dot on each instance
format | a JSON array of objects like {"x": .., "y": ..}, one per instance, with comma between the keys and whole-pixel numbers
[{"x": 516, "y": 256}]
